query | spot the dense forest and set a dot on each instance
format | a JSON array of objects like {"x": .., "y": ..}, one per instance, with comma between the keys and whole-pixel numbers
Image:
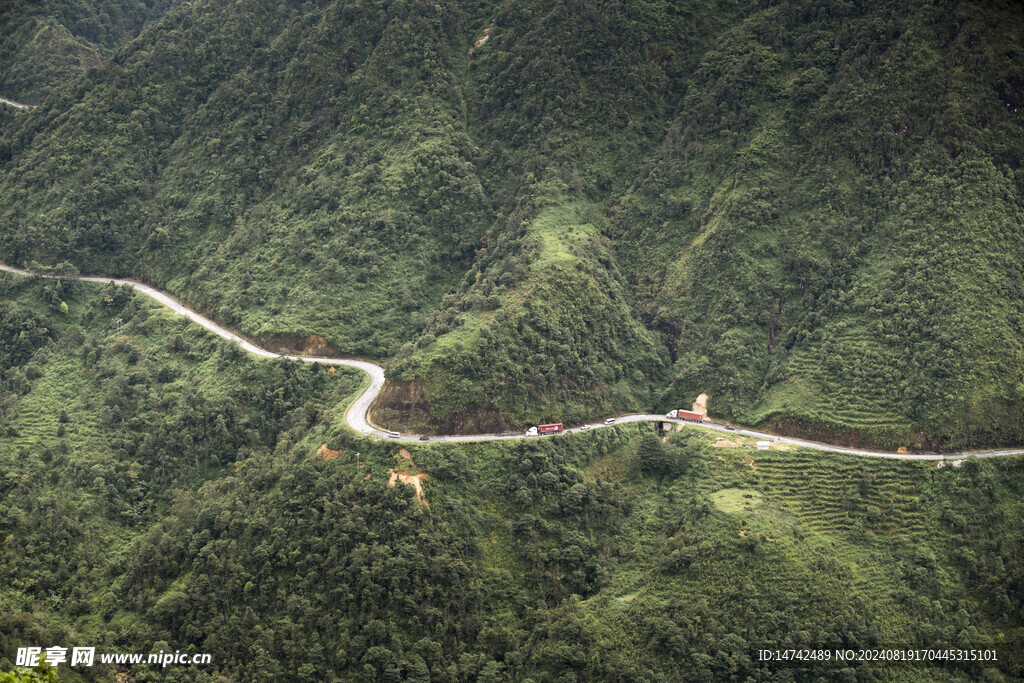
[
  {"x": 45, "y": 44},
  {"x": 811, "y": 211},
  {"x": 162, "y": 490}
]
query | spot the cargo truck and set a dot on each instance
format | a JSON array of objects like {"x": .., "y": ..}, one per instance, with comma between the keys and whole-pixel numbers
[
  {"x": 540, "y": 430},
  {"x": 687, "y": 415}
]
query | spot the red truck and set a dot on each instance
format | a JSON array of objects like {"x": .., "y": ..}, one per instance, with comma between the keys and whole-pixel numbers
[
  {"x": 555, "y": 428},
  {"x": 687, "y": 415}
]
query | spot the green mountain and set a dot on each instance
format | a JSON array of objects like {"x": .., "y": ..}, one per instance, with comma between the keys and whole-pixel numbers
[
  {"x": 837, "y": 221},
  {"x": 811, "y": 211},
  {"x": 558, "y": 341},
  {"x": 45, "y": 44},
  {"x": 162, "y": 490}
]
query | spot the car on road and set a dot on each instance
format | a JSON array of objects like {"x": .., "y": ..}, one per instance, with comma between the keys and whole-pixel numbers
[
  {"x": 730, "y": 428},
  {"x": 584, "y": 428},
  {"x": 393, "y": 435},
  {"x": 609, "y": 421},
  {"x": 424, "y": 438}
]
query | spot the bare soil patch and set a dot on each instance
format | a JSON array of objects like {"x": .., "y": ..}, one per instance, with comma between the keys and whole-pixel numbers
[
  {"x": 312, "y": 345},
  {"x": 413, "y": 478},
  {"x": 479, "y": 42},
  {"x": 326, "y": 453},
  {"x": 315, "y": 345}
]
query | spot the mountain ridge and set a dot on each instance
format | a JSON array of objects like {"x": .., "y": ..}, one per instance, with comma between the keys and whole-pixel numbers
[{"x": 753, "y": 168}]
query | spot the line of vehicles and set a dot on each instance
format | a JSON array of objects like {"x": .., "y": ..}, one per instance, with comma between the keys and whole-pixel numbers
[{"x": 558, "y": 427}]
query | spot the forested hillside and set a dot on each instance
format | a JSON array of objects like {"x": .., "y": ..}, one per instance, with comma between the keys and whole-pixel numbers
[
  {"x": 47, "y": 43},
  {"x": 836, "y": 212},
  {"x": 812, "y": 211},
  {"x": 163, "y": 490}
]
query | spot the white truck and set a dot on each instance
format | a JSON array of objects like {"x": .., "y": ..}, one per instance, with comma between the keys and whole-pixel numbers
[
  {"x": 541, "y": 430},
  {"x": 687, "y": 415}
]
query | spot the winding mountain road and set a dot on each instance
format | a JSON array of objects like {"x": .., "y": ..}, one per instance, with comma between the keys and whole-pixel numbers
[
  {"x": 16, "y": 104},
  {"x": 358, "y": 413}
]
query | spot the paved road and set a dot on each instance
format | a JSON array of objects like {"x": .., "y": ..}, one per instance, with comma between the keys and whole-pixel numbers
[
  {"x": 357, "y": 415},
  {"x": 16, "y": 104}
]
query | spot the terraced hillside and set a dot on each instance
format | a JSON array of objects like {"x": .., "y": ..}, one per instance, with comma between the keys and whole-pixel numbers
[
  {"x": 835, "y": 497},
  {"x": 862, "y": 406},
  {"x": 877, "y": 526}
]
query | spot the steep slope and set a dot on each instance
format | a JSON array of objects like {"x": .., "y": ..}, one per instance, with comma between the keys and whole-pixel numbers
[
  {"x": 566, "y": 101},
  {"x": 543, "y": 331},
  {"x": 837, "y": 224},
  {"x": 45, "y": 44},
  {"x": 40, "y": 55},
  {"x": 816, "y": 208},
  {"x": 293, "y": 172},
  {"x": 346, "y": 204}
]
